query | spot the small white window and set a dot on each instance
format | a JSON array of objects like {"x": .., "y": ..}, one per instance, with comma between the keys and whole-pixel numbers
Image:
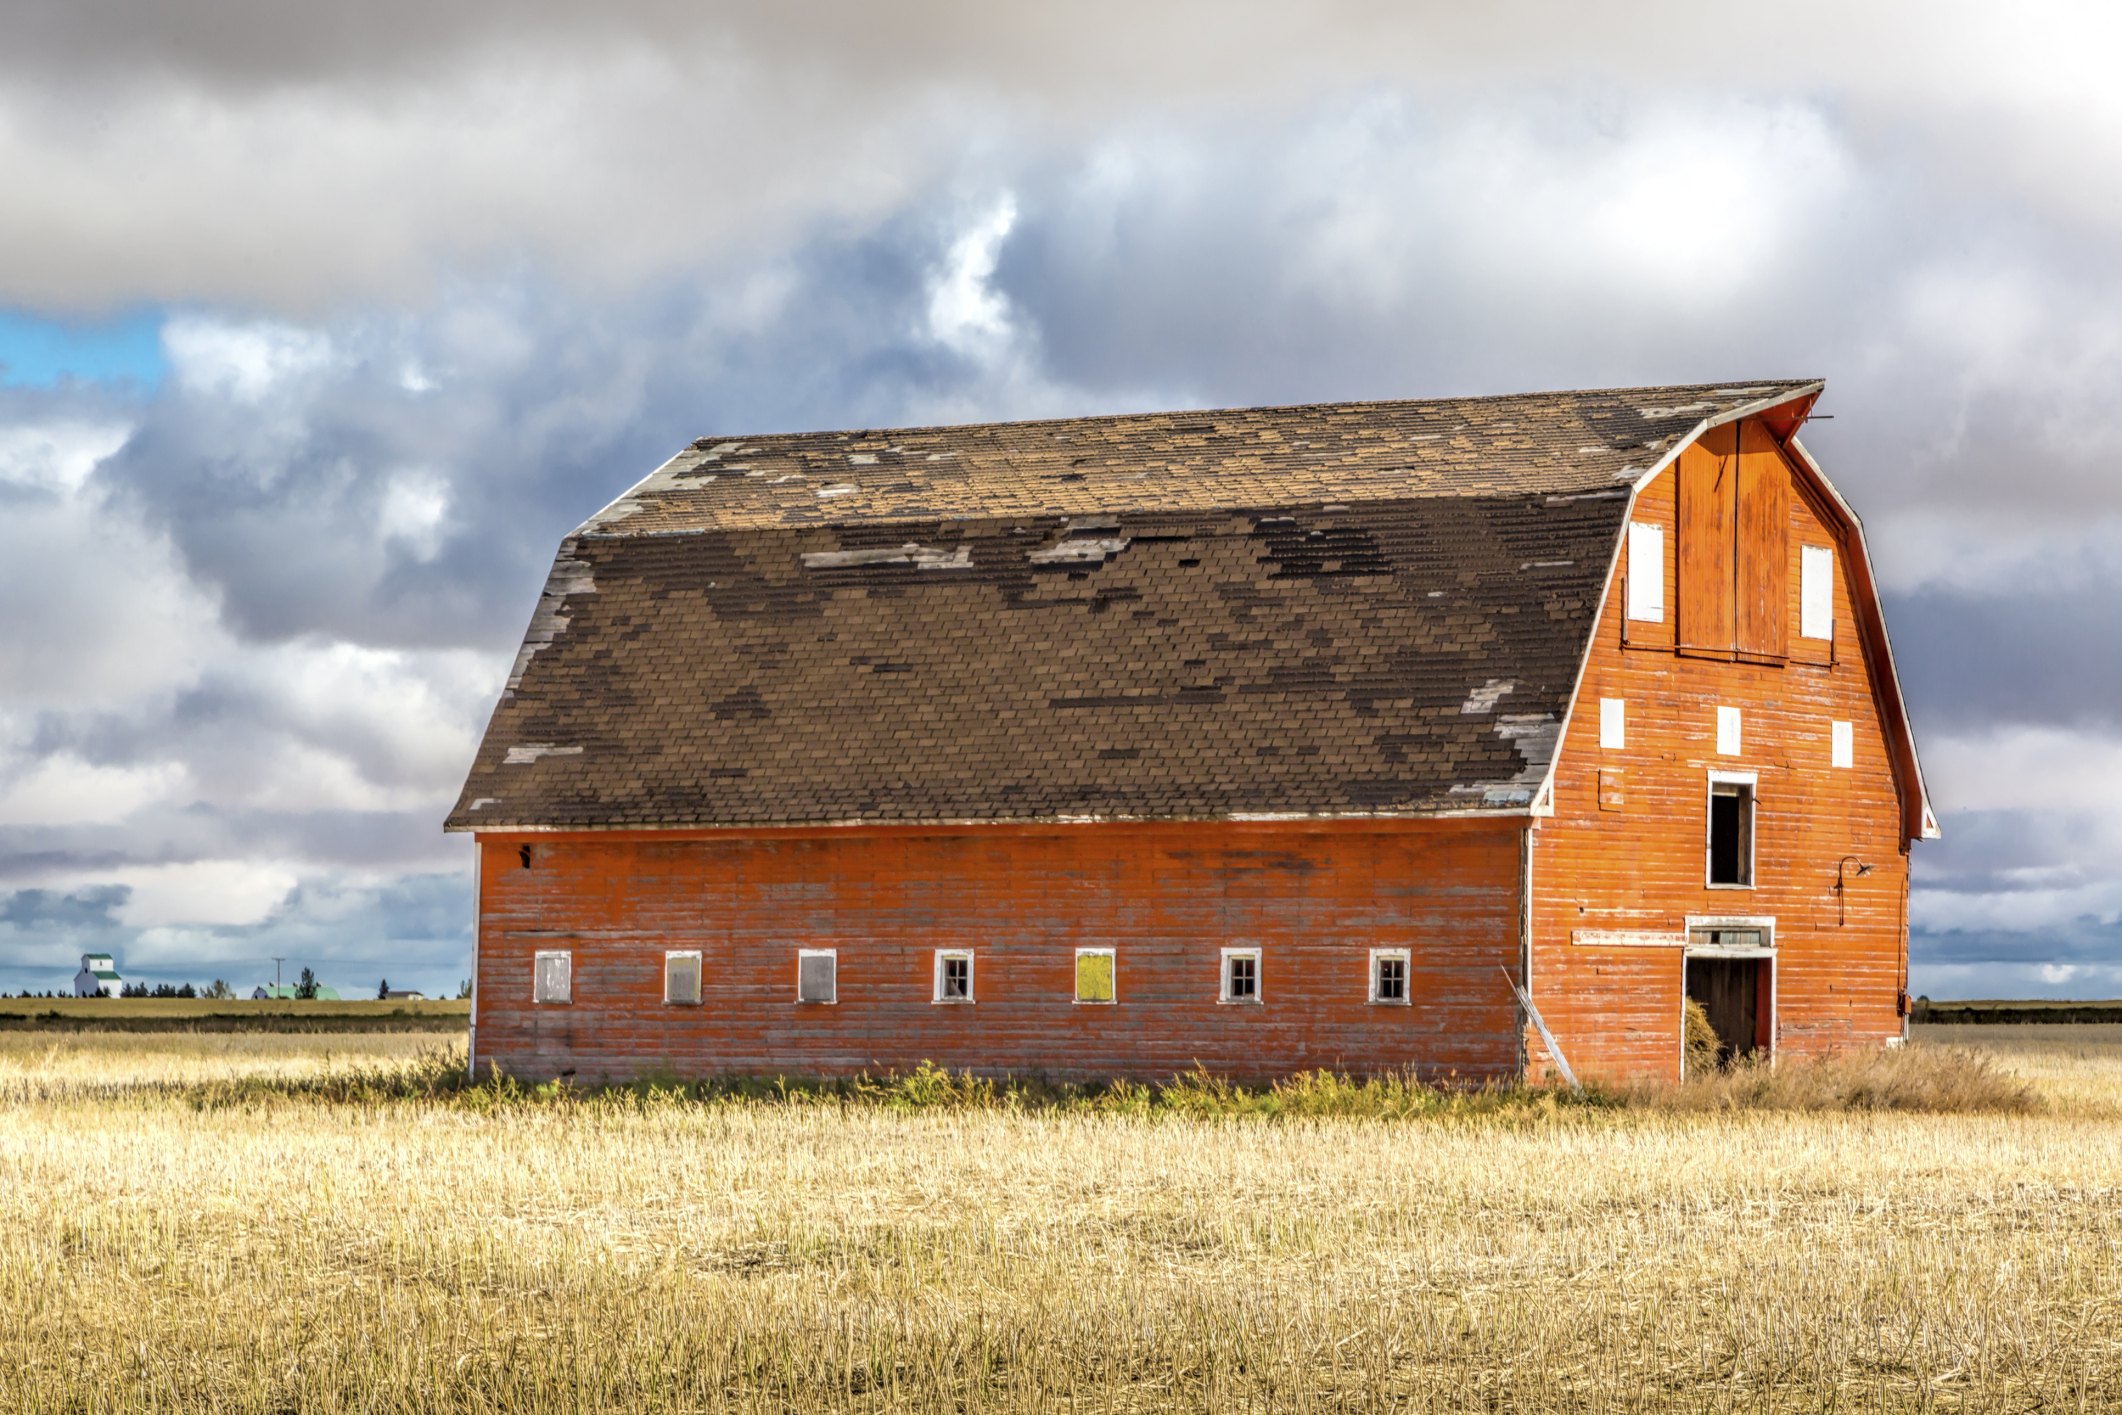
[
  {"x": 1816, "y": 592},
  {"x": 1842, "y": 750},
  {"x": 817, "y": 975},
  {"x": 954, "y": 975},
  {"x": 1095, "y": 975},
  {"x": 553, "y": 976},
  {"x": 681, "y": 977},
  {"x": 1388, "y": 976},
  {"x": 1241, "y": 975},
  {"x": 1646, "y": 572},
  {"x": 1613, "y": 723},
  {"x": 1727, "y": 732}
]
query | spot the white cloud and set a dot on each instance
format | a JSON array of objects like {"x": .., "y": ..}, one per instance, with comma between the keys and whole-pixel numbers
[
  {"x": 965, "y": 311},
  {"x": 61, "y": 790},
  {"x": 59, "y": 454},
  {"x": 242, "y": 362},
  {"x": 227, "y": 893},
  {"x": 1636, "y": 197},
  {"x": 99, "y": 608},
  {"x": 415, "y": 512}
]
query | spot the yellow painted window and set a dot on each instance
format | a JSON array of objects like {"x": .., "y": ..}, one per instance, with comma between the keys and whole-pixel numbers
[{"x": 1094, "y": 976}]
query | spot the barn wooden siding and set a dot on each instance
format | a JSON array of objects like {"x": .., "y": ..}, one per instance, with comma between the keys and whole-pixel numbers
[
  {"x": 1635, "y": 868},
  {"x": 1314, "y": 896}
]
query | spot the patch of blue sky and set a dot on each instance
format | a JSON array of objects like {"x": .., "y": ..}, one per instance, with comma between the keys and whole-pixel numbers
[{"x": 122, "y": 351}]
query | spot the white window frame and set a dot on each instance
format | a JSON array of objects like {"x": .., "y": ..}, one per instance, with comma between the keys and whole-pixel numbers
[
  {"x": 1751, "y": 781},
  {"x": 1731, "y": 732},
  {"x": 936, "y": 993},
  {"x": 1075, "y": 979},
  {"x": 1646, "y": 591},
  {"x": 1613, "y": 724},
  {"x": 1816, "y": 592},
  {"x": 1841, "y": 744},
  {"x": 671, "y": 955},
  {"x": 538, "y": 961},
  {"x": 1405, "y": 958},
  {"x": 832, "y": 953},
  {"x": 1223, "y": 977}
]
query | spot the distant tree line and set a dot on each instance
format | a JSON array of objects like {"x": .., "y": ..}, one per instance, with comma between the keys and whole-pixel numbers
[{"x": 217, "y": 989}]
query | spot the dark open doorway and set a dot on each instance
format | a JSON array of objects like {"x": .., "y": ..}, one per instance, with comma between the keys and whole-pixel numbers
[{"x": 1734, "y": 994}]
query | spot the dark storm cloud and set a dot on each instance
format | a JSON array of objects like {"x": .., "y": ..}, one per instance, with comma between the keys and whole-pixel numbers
[
  {"x": 521, "y": 409},
  {"x": 2072, "y": 958},
  {"x": 26, "y": 910},
  {"x": 2001, "y": 852},
  {"x": 321, "y": 840},
  {"x": 2089, "y": 940},
  {"x": 1972, "y": 659}
]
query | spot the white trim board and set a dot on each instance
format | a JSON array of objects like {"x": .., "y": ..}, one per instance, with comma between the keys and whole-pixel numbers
[{"x": 1628, "y": 938}]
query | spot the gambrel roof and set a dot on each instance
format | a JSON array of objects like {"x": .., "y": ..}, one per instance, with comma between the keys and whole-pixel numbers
[{"x": 1329, "y": 610}]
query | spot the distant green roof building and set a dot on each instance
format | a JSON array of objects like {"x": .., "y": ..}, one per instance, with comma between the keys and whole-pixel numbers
[
  {"x": 98, "y": 977},
  {"x": 285, "y": 992}
]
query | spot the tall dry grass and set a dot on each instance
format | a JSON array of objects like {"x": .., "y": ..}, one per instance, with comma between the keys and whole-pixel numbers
[
  {"x": 1944, "y": 1077},
  {"x": 370, "y": 1235},
  {"x": 86, "y": 1065}
]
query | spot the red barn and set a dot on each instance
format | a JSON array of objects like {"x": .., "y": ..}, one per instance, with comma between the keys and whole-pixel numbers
[{"x": 1256, "y": 740}]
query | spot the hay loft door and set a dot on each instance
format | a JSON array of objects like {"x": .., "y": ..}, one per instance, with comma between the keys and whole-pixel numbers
[{"x": 1731, "y": 973}]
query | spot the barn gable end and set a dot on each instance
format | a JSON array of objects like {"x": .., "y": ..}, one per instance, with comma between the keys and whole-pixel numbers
[{"x": 1738, "y": 684}]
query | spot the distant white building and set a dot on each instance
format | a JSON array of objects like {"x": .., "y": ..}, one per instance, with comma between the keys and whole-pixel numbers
[{"x": 98, "y": 975}]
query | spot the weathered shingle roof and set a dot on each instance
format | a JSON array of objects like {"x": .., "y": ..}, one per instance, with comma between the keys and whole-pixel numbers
[
  {"x": 1338, "y": 609},
  {"x": 1241, "y": 457}
]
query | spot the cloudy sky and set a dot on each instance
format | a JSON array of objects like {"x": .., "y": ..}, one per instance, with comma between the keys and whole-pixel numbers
[{"x": 319, "y": 326}]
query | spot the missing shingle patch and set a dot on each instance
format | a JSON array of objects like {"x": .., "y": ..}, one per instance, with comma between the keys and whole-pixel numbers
[
  {"x": 1094, "y": 551},
  {"x": 922, "y": 557},
  {"x": 1485, "y": 697},
  {"x": 532, "y": 751}
]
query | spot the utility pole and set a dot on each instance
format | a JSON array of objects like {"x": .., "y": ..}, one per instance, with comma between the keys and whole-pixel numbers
[{"x": 276, "y": 976}]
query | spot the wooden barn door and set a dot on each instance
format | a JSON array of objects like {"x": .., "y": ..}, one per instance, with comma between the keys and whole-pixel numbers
[
  {"x": 1737, "y": 994},
  {"x": 1733, "y": 514},
  {"x": 1761, "y": 571}
]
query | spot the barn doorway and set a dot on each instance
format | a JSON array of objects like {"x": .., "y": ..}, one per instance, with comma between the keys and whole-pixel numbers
[{"x": 1731, "y": 976}]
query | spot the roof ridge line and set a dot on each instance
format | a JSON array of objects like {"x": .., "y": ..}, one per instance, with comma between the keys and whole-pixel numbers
[{"x": 1229, "y": 409}]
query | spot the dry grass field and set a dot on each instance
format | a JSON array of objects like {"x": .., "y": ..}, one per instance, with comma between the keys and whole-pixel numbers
[
  {"x": 241, "y": 1014},
  {"x": 284, "y": 1222}
]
